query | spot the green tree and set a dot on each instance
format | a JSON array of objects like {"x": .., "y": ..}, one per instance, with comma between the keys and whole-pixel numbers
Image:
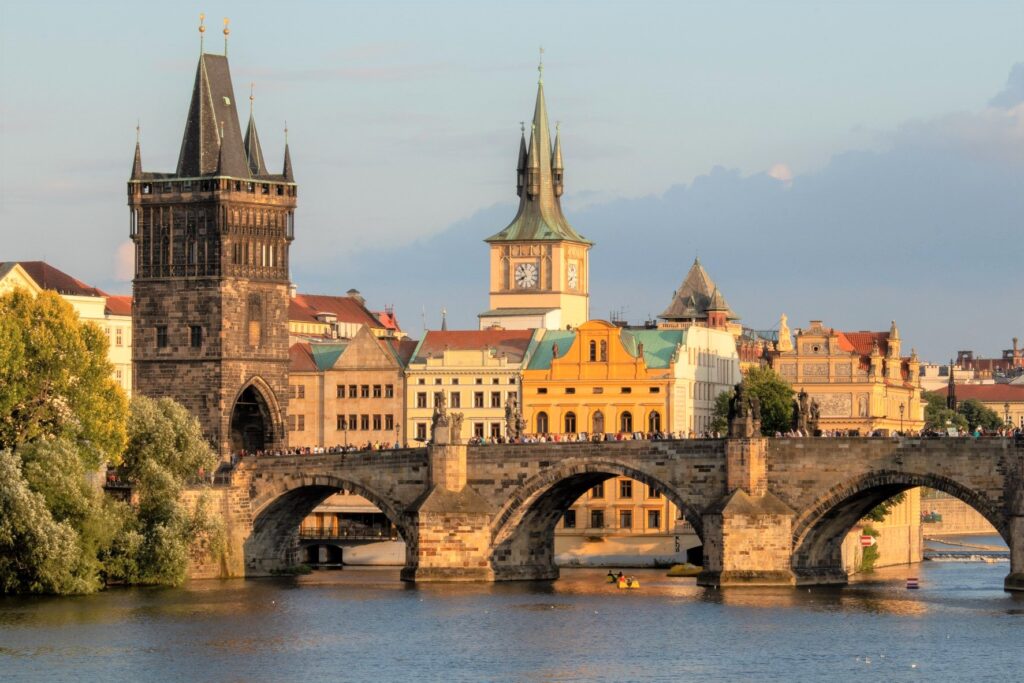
[
  {"x": 774, "y": 394},
  {"x": 978, "y": 415},
  {"x": 166, "y": 449},
  {"x": 720, "y": 421},
  {"x": 937, "y": 417},
  {"x": 55, "y": 379}
]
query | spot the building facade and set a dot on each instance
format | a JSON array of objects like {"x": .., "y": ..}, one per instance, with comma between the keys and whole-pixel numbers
[
  {"x": 112, "y": 314},
  {"x": 539, "y": 264},
  {"x": 1006, "y": 400},
  {"x": 477, "y": 372},
  {"x": 347, "y": 393},
  {"x": 859, "y": 380},
  {"x": 210, "y": 324}
]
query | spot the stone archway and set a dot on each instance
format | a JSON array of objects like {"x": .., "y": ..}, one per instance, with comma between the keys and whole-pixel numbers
[
  {"x": 523, "y": 531},
  {"x": 818, "y": 532},
  {"x": 274, "y": 541},
  {"x": 255, "y": 423}
]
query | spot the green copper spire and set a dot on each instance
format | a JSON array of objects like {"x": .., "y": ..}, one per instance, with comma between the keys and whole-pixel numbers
[{"x": 540, "y": 210}]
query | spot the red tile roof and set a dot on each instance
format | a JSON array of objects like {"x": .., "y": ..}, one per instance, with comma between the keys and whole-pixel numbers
[
  {"x": 388, "y": 319},
  {"x": 403, "y": 348},
  {"x": 300, "y": 358},
  {"x": 986, "y": 393},
  {"x": 48, "y": 277},
  {"x": 304, "y": 308},
  {"x": 511, "y": 343},
  {"x": 862, "y": 342},
  {"x": 119, "y": 305}
]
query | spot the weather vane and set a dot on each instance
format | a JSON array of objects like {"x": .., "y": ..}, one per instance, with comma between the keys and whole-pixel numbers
[
  {"x": 202, "y": 30},
  {"x": 227, "y": 31}
]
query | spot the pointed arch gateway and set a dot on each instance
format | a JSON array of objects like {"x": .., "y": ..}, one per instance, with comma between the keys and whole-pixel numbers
[{"x": 256, "y": 419}]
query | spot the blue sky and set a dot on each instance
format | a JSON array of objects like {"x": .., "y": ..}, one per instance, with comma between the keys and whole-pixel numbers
[{"x": 855, "y": 162}]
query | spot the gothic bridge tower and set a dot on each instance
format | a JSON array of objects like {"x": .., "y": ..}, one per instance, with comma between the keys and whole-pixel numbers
[
  {"x": 540, "y": 273},
  {"x": 210, "y": 313}
]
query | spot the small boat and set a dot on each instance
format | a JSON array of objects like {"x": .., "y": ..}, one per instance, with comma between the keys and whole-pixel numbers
[
  {"x": 685, "y": 569},
  {"x": 629, "y": 583},
  {"x": 610, "y": 578}
]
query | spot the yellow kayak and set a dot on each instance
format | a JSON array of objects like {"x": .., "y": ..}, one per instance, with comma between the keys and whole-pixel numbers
[
  {"x": 685, "y": 569},
  {"x": 628, "y": 584}
]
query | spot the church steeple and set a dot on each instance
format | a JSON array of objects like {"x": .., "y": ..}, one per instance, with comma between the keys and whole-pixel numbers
[
  {"x": 253, "y": 151},
  {"x": 287, "y": 171},
  {"x": 540, "y": 211},
  {"x": 137, "y": 163}
]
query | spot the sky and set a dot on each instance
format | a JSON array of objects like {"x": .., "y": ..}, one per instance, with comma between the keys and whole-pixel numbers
[{"x": 855, "y": 162}]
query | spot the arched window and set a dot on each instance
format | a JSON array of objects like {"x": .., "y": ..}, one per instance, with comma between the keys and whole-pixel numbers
[
  {"x": 542, "y": 423},
  {"x": 598, "y": 423},
  {"x": 604, "y": 351},
  {"x": 593, "y": 350},
  {"x": 255, "y": 321},
  {"x": 654, "y": 421},
  {"x": 626, "y": 422},
  {"x": 570, "y": 423}
]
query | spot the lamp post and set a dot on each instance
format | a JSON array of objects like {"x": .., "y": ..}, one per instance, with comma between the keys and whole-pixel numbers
[
  {"x": 1006, "y": 410},
  {"x": 398, "y": 435},
  {"x": 902, "y": 408}
]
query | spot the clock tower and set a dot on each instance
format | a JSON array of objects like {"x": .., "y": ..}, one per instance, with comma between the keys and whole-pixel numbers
[{"x": 539, "y": 264}]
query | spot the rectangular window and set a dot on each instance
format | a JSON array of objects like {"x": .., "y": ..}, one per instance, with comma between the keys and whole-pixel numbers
[
  {"x": 479, "y": 380},
  {"x": 570, "y": 390},
  {"x": 456, "y": 401},
  {"x": 597, "y": 491},
  {"x": 478, "y": 429},
  {"x": 389, "y": 391},
  {"x": 437, "y": 380},
  {"x": 653, "y": 492},
  {"x": 625, "y": 488},
  {"x": 655, "y": 390},
  {"x": 495, "y": 399},
  {"x": 625, "y": 519},
  {"x": 437, "y": 397},
  {"x": 478, "y": 399},
  {"x": 627, "y": 390},
  {"x": 341, "y": 391},
  {"x": 291, "y": 423},
  {"x": 376, "y": 423},
  {"x": 654, "y": 519},
  {"x": 495, "y": 380},
  {"x": 377, "y": 391},
  {"x": 421, "y": 431},
  {"x": 455, "y": 380},
  {"x": 161, "y": 336},
  {"x": 352, "y": 391},
  {"x": 353, "y": 421},
  {"x": 511, "y": 380},
  {"x": 118, "y": 337},
  {"x": 364, "y": 391},
  {"x": 597, "y": 519},
  {"x": 195, "y": 336},
  {"x": 598, "y": 390},
  {"x": 364, "y": 423},
  {"x": 297, "y": 391},
  {"x": 569, "y": 519},
  {"x": 300, "y": 425},
  {"x": 542, "y": 390},
  {"x": 389, "y": 422},
  {"x": 421, "y": 381},
  {"x": 496, "y": 430},
  {"x": 342, "y": 424},
  {"x": 421, "y": 399}
]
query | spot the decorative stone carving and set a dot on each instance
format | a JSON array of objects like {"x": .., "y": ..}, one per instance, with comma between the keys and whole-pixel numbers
[
  {"x": 836, "y": 405},
  {"x": 816, "y": 370}
]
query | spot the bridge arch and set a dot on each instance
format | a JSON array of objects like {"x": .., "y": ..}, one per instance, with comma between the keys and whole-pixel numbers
[
  {"x": 819, "y": 530},
  {"x": 522, "y": 531},
  {"x": 278, "y": 510}
]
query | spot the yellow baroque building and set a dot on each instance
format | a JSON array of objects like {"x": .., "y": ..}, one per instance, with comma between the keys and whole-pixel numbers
[{"x": 860, "y": 380}]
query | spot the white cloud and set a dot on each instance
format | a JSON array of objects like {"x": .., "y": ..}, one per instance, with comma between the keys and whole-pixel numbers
[
  {"x": 124, "y": 261},
  {"x": 782, "y": 173}
]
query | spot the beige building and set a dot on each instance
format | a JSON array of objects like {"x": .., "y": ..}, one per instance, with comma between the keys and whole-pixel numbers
[
  {"x": 859, "y": 380},
  {"x": 348, "y": 392},
  {"x": 476, "y": 370},
  {"x": 540, "y": 269},
  {"x": 113, "y": 314},
  {"x": 1006, "y": 400},
  {"x": 321, "y": 317}
]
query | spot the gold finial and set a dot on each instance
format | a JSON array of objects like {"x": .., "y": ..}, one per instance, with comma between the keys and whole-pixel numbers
[
  {"x": 227, "y": 32},
  {"x": 252, "y": 96},
  {"x": 202, "y": 30},
  {"x": 540, "y": 66}
]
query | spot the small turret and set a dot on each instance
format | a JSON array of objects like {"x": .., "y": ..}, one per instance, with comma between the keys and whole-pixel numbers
[
  {"x": 287, "y": 172},
  {"x": 521, "y": 164},
  {"x": 557, "y": 168},
  {"x": 137, "y": 164},
  {"x": 533, "y": 164},
  {"x": 894, "y": 341}
]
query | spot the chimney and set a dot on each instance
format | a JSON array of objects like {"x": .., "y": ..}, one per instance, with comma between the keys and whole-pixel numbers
[{"x": 292, "y": 290}]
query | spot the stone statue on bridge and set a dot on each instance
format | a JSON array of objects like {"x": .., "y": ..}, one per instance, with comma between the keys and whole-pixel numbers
[
  {"x": 744, "y": 414},
  {"x": 445, "y": 427},
  {"x": 812, "y": 421},
  {"x": 514, "y": 422},
  {"x": 802, "y": 413}
]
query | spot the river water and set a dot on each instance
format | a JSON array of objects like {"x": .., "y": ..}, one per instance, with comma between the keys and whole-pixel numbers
[{"x": 365, "y": 625}]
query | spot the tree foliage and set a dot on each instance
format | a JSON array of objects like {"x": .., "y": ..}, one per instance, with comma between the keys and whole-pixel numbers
[
  {"x": 774, "y": 394},
  {"x": 55, "y": 380},
  {"x": 937, "y": 417},
  {"x": 978, "y": 415}
]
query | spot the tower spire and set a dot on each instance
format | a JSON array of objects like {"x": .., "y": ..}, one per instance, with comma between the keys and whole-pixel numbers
[
  {"x": 556, "y": 162},
  {"x": 287, "y": 172},
  {"x": 521, "y": 163},
  {"x": 253, "y": 150},
  {"x": 137, "y": 163}
]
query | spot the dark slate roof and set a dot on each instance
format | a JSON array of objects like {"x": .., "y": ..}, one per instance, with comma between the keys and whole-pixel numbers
[
  {"x": 48, "y": 277},
  {"x": 213, "y": 105},
  {"x": 695, "y": 297}
]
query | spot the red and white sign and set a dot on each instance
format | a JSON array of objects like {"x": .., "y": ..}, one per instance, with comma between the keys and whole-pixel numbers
[{"x": 867, "y": 541}]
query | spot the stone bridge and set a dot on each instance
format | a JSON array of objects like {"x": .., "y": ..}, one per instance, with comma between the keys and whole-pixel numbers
[{"x": 769, "y": 511}]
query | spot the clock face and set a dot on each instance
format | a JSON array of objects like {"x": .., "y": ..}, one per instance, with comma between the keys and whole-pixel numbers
[
  {"x": 526, "y": 275},
  {"x": 573, "y": 276}
]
